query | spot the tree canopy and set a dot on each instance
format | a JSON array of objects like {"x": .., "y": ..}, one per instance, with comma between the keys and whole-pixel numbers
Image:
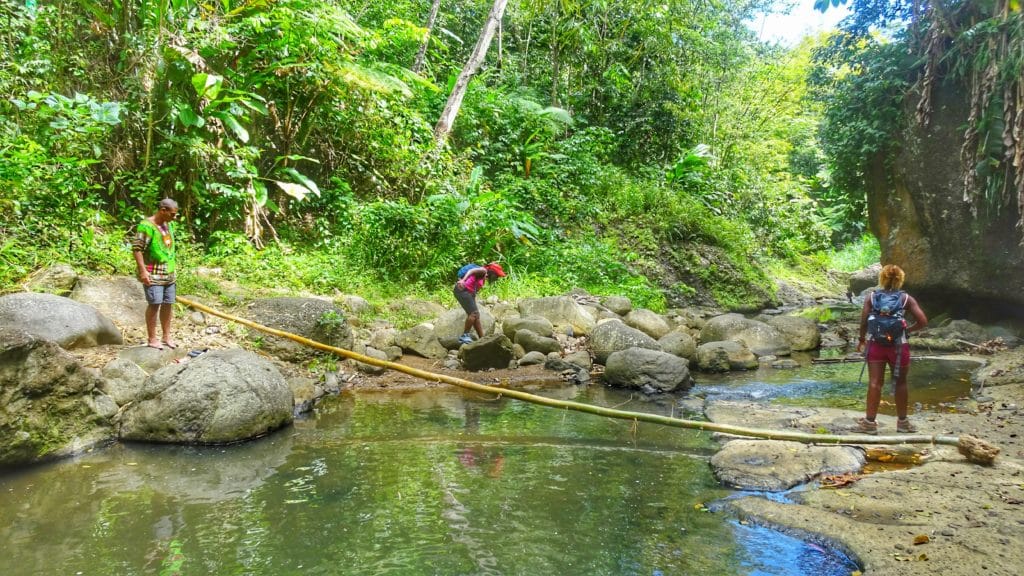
[{"x": 654, "y": 148}]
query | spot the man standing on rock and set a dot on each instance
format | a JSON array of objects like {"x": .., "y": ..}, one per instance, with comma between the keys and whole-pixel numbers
[{"x": 153, "y": 247}]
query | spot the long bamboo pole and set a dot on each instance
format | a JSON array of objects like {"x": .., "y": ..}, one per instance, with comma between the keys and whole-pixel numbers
[{"x": 974, "y": 449}]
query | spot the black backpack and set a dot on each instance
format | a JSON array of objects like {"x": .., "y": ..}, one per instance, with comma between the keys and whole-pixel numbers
[{"x": 886, "y": 325}]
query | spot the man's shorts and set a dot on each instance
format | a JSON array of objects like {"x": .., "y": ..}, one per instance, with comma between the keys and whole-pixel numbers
[
  {"x": 887, "y": 354},
  {"x": 466, "y": 299},
  {"x": 160, "y": 294}
]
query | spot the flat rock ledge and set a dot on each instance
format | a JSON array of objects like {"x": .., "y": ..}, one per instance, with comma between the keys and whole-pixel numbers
[{"x": 775, "y": 465}]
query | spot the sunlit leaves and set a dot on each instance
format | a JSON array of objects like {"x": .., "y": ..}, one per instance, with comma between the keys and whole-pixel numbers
[
  {"x": 302, "y": 179},
  {"x": 369, "y": 78},
  {"x": 234, "y": 125},
  {"x": 296, "y": 191},
  {"x": 207, "y": 85}
]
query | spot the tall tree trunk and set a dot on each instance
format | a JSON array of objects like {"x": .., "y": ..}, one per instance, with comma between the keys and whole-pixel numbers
[
  {"x": 556, "y": 70},
  {"x": 451, "y": 108},
  {"x": 422, "y": 54},
  {"x": 555, "y": 56}
]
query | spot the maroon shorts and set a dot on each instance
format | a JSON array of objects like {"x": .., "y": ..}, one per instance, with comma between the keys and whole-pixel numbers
[{"x": 887, "y": 354}]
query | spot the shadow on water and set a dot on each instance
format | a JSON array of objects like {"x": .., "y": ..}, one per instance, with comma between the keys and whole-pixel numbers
[{"x": 431, "y": 482}]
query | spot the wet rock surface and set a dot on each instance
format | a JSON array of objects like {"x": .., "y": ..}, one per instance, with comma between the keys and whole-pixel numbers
[
  {"x": 944, "y": 516},
  {"x": 774, "y": 466}
]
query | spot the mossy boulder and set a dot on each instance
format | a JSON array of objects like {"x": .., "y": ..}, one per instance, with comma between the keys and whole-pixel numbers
[{"x": 50, "y": 406}]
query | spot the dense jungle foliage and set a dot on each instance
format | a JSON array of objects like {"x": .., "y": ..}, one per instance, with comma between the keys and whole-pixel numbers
[
  {"x": 880, "y": 73},
  {"x": 652, "y": 149}
]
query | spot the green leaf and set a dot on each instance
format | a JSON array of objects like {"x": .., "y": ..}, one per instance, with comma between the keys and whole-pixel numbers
[
  {"x": 207, "y": 85},
  {"x": 100, "y": 13},
  {"x": 295, "y": 157},
  {"x": 296, "y": 191},
  {"x": 451, "y": 34},
  {"x": 558, "y": 114},
  {"x": 189, "y": 118},
  {"x": 302, "y": 179},
  {"x": 231, "y": 122},
  {"x": 259, "y": 192}
]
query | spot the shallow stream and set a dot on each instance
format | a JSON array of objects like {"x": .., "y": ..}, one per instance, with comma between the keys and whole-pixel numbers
[{"x": 428, "y": 482}]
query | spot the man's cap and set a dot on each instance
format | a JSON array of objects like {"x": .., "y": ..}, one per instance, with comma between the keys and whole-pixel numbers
[{"x": 496, "y": 268}]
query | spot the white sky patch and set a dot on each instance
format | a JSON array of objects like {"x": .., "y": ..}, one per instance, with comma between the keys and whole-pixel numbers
[{"x": 802, "y": 20}]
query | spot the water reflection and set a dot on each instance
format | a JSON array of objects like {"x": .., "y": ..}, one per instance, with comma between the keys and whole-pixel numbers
[
  {"x": 933, "y": 382},
  {"x": 434, "y": 482},
  {"x": 62, "y": 513}
]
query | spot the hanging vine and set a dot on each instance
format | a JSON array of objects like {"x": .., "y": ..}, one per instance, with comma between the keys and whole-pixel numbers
[{"x": 981, "y": 44}]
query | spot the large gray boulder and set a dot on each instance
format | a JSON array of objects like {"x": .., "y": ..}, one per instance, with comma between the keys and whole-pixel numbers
[
  {"x": 775, "y": 465},
  {"x": 724, "y": 327},
  {"x": 123, "y": 380},
  {"x": 680, "y": 343},
  {"x": 312, "y": 318},
  {"x": 724, "y": 357},
  {"x": 120, "y": 298},
  {"x": 531, "y": 341},
  {"x": 613, "y": 335},
  {"x": 450, "y": 326},
  {"x": 50, "y": 406},
  {"x": 494, "y": 351},
  {"x": 958, "y": 255},
  {"x": 219, "y": 397},
  {"x": 58, "y": 319},
  {"x": 801, "y": 333},
  {"x": 537, "y": 324},
  {"x": 58, "y": 279},
  {"x": 617, "y": 304},
  {"x": 421, "y": 341},
  {"x": 758, "y": 337},
  {"x": 642, "y": 368},
  {"x": 648, "y": 322},
  {"x": 960, "y": 330},
  {"x": 562, "y": 311},
  {"x": 864, "y": 278},
  {"x": 764, "y": 340}
]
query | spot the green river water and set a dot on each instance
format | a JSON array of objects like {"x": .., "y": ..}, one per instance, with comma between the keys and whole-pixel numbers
[{"x": 428, "y": 482}]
